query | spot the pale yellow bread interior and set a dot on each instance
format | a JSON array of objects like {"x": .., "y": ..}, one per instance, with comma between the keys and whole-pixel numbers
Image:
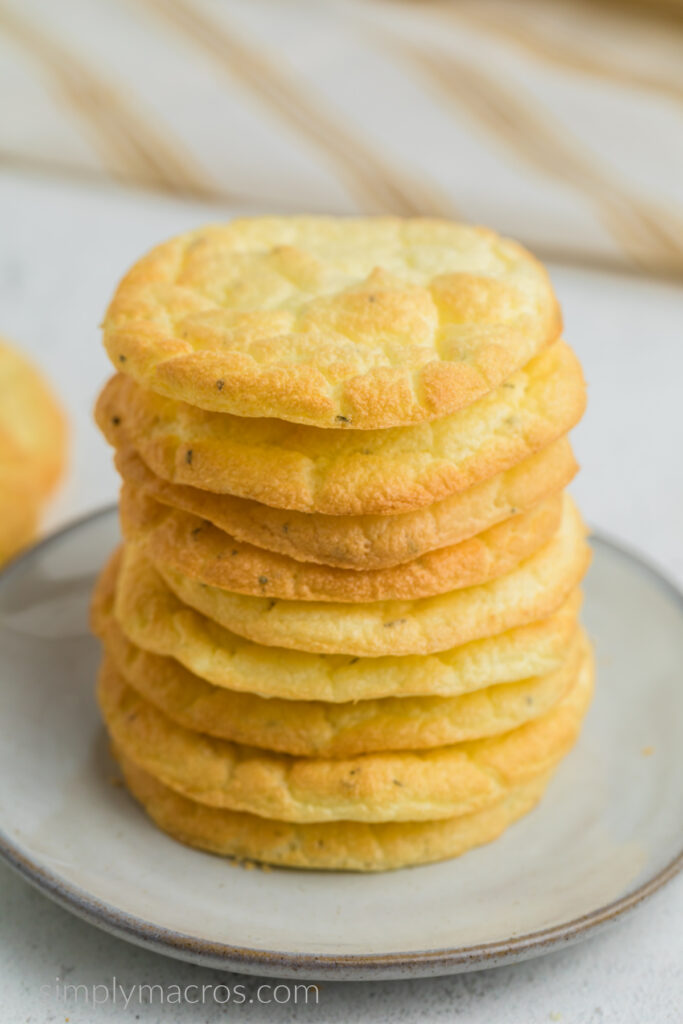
[
  {"x": 153, "y": 618},
  {"x": 534, "y": 589},
  {"x": 424, "y": 785},
  {"x": 318, "y": 728}
]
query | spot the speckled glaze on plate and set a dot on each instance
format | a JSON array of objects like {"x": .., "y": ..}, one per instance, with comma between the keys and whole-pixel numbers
[{"x": 608, "y": 833}]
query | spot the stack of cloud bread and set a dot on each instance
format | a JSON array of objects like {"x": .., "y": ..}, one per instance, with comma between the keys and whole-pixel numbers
[
  {"x": 342, "y": 630},
  {"x": 33, "y": 442}
]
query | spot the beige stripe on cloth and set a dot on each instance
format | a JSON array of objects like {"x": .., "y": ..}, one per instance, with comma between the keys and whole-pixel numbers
[
  {"x": 648, "y": 235},
  {"x": 557, "y": 122}
]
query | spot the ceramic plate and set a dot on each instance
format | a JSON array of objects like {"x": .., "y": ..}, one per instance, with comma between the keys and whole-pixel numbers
[{"x": 608, "y": 833}]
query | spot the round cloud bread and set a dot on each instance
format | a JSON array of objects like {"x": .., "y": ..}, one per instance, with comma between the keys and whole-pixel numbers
[
  {"x": 331, "y": 321},
  {"x": 536, "y": 587},
  {"x": 153, "y": 619},
  {"x": 193, "y": 547},
  {"x": 319, "y": 729},
  {"x": 426, "y": 785},
  {"x": 330, "y": 846},
  {"x": 20, "y": 500},
  {"x": 363, "y": 542},
  {"x": 32, "y": 425},
  {"x": 349, "y": 472}
]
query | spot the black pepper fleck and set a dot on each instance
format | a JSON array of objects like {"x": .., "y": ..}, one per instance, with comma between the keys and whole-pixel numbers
[
  {"x": 188, "y": 456},
  {"x": 220, "y": 384},
  {"x": 343, "y": 419},
  {"x": 122, "y": 359},
  {"x": 394, "y": 622},
  {"x": 116, "y": 420},
  {"x": 263, "y": 580}
]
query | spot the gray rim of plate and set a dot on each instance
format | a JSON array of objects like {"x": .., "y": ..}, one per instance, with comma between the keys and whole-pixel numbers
[{"x": 227, "y": 957}]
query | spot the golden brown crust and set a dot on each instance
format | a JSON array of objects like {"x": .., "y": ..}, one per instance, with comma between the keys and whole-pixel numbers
[
  {"x": 350, "y": 472},
  {"x": 363, "y": 542},
  {"x": 189, "y": 545},
  {"x": 320, "y": 729},
  {"x": 327, "y": 846},
  {"x": 152, "y": 618},
  {"x": 331, "y": 321},
  {"x": 427, "y": 785},
  {"x": 535, "y": 588}
]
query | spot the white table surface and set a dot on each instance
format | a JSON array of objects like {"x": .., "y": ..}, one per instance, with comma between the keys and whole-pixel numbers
[{"x": 61, "y": 250}]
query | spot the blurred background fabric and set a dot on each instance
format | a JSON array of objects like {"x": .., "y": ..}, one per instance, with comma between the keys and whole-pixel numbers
[{"x": 557, "y": 122}]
